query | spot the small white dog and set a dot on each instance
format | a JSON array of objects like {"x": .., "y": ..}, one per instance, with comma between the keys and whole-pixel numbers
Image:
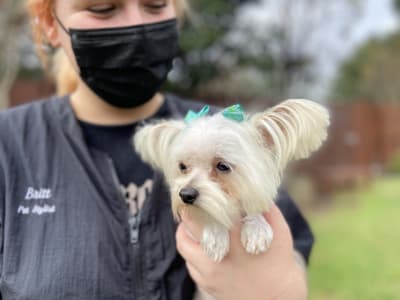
[{"x": 228, "y": 167}]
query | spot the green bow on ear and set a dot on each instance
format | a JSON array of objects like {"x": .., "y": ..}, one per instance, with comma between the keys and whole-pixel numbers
[
  {"x": 191, "y": 115},
  {"x": 234, "y": 112}
]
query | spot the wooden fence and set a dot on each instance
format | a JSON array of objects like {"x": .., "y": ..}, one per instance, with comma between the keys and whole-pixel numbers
[
  {"x": 25, "y": 91},
  {"x": 363, "y": 137}
]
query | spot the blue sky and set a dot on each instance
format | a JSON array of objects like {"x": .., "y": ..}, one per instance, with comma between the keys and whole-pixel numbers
[{"x": 378, "y": 19}]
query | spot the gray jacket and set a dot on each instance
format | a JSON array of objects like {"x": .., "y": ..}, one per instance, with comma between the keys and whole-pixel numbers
[{"x": 64, "y": 224}]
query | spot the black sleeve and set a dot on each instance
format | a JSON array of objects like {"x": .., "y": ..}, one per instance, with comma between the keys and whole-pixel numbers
[
  {"x": 301, "y": 232},
  {"x": 2, "y": 204}
]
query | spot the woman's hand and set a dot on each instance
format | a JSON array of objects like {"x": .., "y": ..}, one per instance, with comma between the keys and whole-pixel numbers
[{"x": 274, "y": 274}]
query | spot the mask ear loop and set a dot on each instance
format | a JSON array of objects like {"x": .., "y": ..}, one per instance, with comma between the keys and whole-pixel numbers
[{"x": 60, "y": 23}]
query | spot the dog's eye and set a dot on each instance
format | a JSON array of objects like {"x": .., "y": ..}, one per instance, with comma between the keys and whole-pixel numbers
[
  {"x": 223, "y": 167},
  {"x": 182, "y": 167}
]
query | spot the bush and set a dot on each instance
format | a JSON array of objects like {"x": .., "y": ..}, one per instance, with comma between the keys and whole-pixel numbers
[{"x": 393, "y": 166}]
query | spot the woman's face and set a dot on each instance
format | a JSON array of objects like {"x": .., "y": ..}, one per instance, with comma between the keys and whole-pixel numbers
[
  {"x": 90, "y": 14},
  {"x": 84, "y": 14}
]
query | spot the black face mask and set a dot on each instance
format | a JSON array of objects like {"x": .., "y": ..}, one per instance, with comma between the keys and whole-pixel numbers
[{"x": 125, "y": 66}]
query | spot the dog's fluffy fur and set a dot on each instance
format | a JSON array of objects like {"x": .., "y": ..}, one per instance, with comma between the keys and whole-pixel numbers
[{"x": 236, "y": 167}]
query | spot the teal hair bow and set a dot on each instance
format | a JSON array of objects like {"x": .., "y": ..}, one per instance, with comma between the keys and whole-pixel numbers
[
  {"x": 234, "y": 112},
  {"x": 191, "y": 115}
]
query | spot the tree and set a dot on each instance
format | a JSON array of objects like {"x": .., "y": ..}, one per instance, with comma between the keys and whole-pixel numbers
[
  {"x": 372, "y": 74},
  {"x": 13, "y": 24},
  {"x": 207, "y": 23},
  {"x": 396, "y": 4},
  {"x": 261, "y": 48}
]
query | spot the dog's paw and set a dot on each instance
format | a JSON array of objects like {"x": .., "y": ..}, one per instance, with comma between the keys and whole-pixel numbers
[
  {"x": 256, "y": 234},
  {"x": 215, "y": 242}
]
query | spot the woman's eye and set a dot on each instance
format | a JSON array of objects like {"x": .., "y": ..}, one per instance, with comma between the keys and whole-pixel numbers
[
  {"x": 156, "y": 5},
  {"x": 101, "y": 8},
  {"x": 223, "y": 167}
]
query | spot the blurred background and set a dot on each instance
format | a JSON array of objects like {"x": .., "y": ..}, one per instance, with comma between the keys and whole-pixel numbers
[{"x": 344, "y": 54}]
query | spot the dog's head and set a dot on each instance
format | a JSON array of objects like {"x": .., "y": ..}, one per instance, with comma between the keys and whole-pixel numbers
[{"x": 220, "y": 168}]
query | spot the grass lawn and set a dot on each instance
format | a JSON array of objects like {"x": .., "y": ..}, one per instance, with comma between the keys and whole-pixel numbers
[{"x": 357, "y": 250}]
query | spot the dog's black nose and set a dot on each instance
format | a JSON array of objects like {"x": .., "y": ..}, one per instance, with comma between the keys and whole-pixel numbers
[{"x": 188, "y": 195}]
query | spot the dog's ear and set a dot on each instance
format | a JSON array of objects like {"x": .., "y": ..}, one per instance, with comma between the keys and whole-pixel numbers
[
  {"x": 292, "y": 129},
  {"x": 152, "y": 142}
]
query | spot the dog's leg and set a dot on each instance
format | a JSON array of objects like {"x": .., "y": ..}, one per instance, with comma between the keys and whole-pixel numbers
[
  {"x": 256, "y": 234},
  {"x": 215, "y": 241}
]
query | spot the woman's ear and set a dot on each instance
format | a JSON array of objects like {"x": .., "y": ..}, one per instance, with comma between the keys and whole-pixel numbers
[
  {"x": 50, "y": 29},
  {"x": 292, "y": 129},
  {"x": 152, "y": 142}
]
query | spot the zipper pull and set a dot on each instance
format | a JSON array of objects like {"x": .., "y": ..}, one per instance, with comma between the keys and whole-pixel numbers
[{"x": 134, "y": 223}]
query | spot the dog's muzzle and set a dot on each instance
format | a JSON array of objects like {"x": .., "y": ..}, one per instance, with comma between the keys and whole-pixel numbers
[{"x": 188, "y": 195}]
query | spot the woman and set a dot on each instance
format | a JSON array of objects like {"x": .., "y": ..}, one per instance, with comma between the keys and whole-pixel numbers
[{"x": 67, "y": 230}]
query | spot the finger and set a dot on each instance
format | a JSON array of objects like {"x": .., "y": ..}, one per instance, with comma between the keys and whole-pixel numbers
[
  {"x": 194, "y": 273},
  {"x": 276, "y": 219},
  {"x": 280, "y": 227},
  {"x": 190, "y": 249},
  {"x": 194, "y": 229},
  {"x": 236, "y": 247}
]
